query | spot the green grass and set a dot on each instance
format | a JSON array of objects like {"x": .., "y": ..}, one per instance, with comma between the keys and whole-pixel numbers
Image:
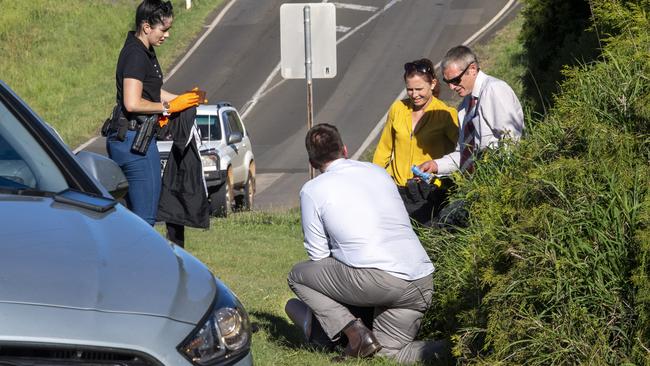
[
  {"x": 60, "y": 55},
  {"x": 252, "y": 252}
]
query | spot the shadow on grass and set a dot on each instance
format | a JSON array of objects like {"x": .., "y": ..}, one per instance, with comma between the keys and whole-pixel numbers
[{"x": 280, "y": 331}]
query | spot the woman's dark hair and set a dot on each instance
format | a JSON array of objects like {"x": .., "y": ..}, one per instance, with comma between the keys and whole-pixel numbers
[
  {"x": 323, "y": 144},
  {"x": 423, "y": 68},
  {"x": 152, "y": 12}
]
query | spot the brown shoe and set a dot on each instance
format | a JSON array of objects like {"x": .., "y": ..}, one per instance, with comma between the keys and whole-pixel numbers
[{"x": 361, "y": 340}]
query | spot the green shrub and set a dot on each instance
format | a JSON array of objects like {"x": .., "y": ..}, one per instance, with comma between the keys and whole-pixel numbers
[
  {"x": 553, "y": 269},
  {"x": 555, "y": 33}
]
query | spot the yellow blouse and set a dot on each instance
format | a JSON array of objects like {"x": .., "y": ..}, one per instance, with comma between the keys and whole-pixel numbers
[{"x": 399, "y": 148}]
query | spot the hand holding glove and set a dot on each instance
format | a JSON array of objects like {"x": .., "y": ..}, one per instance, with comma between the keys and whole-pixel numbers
[{"x": 183, "y": 101}]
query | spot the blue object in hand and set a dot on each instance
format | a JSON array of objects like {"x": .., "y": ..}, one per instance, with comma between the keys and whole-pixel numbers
[{"x": 420, "y": 174}]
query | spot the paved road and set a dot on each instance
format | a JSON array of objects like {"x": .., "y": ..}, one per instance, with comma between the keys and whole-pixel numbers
[{"x": 238, "y": 60}]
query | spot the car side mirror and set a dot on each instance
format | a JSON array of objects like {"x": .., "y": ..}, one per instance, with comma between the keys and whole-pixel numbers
[
  {"x": 106, "y": 172},
  {"x": 235, "y": 138}
]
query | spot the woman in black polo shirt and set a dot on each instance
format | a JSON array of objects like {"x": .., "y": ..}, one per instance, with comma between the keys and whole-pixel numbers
[{"x": 139, "y": 83}]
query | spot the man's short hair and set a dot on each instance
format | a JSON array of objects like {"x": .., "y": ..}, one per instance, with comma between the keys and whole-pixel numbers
[
  {"x": 323, "y": 144},
  {"x": 462, "y": 56}
]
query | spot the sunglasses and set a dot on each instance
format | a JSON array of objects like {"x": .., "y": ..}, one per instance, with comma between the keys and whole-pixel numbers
[
  {"x": 456, "y": 80},
  {"x": 419, "y": 67}
]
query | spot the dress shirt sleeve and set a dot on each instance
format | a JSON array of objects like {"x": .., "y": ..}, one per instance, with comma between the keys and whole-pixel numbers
[
  {"x": 450, "y": 162},
  {"x": 501, "y": 112},
  {"x": 316, "y": 241},
  {"x": 384, "y": 149}
]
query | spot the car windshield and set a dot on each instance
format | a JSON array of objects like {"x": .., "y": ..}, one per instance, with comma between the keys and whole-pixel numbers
[
  {"x": 209, "y": 126},
  {"x": 24, "y": 164}
]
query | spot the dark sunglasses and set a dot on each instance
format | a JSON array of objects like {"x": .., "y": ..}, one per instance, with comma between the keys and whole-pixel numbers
[
  {"x": 456, "y": 80},
  {"x": 417, "y": 66}
]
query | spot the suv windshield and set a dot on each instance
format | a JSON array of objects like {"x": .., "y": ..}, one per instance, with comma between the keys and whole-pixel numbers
[
  {"x": 24, "y": 164},
  {"x": 209, "y": 127}
]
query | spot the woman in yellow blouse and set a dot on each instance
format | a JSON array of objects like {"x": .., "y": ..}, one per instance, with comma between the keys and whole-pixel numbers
[{"x": 418, "y": 129}]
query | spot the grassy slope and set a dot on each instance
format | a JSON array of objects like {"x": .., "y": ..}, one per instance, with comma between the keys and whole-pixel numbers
[{"x": 60, "y": 55}]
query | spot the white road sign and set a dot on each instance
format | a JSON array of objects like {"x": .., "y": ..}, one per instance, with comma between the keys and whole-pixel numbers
[{"x": 323, "y": 40}]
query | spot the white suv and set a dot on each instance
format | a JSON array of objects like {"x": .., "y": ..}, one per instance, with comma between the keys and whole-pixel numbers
[{"x": 227, "y": 157}]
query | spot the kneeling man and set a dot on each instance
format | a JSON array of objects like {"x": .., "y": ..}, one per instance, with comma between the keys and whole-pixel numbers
[{"x": 363, "y": 253}]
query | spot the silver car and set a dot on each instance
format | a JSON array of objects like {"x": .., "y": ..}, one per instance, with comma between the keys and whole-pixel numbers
[
  {"x": 227, "y": 157},
  {"x": 83, "y": 280}
]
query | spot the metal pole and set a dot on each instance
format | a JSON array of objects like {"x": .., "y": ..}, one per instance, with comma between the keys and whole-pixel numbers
[{"x": 310, "y": 111}]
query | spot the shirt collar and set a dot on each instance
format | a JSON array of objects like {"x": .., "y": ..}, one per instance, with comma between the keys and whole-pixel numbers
[
  {"x": 334, "y": 164},
  {"x": 131, "y": 38},
  {"x": 478, "y": 83}
]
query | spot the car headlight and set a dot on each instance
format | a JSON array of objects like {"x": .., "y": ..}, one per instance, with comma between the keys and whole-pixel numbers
[
  {"x": 224, "y": 334},
  {"x": 210, "y": 162}
]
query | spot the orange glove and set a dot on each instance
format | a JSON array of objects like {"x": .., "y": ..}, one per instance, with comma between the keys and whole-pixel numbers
[
  {"x": 163, "y": 120},
  {"x": 183, "y": 101},
  {"x": 200, "y": 93}
]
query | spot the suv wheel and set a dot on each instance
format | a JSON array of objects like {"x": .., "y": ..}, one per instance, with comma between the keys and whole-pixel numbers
[
  {"x": 245, "y": 202},
  {"x": 221, "y": 199}
]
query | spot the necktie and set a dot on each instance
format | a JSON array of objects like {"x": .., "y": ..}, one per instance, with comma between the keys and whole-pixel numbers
[{"x": 467, "y": 149}]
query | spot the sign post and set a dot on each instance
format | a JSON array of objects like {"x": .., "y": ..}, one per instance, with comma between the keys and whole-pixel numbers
[
  {"x": 305, "y": 28},
  {"x": 310, "y": 89}
]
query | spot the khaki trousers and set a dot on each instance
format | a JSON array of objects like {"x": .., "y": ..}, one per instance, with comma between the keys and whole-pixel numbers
[{"x": 327, "y": 286}]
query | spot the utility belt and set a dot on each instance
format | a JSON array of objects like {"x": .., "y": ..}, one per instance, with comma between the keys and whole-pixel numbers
[{"x": 146, "y": 126}]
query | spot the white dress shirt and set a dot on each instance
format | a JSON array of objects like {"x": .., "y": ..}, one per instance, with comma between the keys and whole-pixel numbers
[
  {"x": 354, "y": 213},
  {"x": 496, "y": 116}
]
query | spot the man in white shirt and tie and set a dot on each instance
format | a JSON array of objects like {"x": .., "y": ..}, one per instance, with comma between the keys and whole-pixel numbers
[
  {"x": 490, "y": 116},
  {"x": 489, "y": 105},
  {"x": 363, "y": 252}
]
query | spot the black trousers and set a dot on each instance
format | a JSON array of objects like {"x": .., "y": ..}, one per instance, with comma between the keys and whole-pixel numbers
[
  {"x": 422, "y": 200},
  {"x": 176, "y": 234}
]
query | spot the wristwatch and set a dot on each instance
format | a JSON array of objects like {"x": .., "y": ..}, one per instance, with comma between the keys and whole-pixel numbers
[{"x": 165, "y": 108}]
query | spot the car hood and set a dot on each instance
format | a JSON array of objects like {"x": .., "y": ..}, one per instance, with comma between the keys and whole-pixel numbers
[{"x": 60, "y": 255}]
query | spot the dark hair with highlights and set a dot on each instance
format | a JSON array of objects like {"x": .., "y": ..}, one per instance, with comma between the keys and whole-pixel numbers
[
  {"x": 152, "y": 12},
  {"x": 323, "y": 144},
  {"x": 425, "y": 69}
]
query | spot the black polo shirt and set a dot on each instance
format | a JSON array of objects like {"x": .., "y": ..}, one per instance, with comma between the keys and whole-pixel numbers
[{"x": 138, "y": 62}]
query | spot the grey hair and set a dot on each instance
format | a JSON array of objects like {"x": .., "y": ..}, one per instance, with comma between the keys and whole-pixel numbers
[{"x": 462, "y": 56}]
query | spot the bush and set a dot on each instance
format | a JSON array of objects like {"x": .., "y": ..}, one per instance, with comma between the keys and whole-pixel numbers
[
  {"x": 555, "y": 33},
  {"x": 554, "y": 267}
]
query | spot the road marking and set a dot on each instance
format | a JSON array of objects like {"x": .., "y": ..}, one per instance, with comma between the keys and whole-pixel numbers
[
  {"x": 356, "y": 7},
  {"x": 342, "y": 28},
  {"x": 85, "y": 144},
  {"x": 248, "y": 106},
  {"x": 200, "y": 40},
  {"x": 379, "y": 126}
]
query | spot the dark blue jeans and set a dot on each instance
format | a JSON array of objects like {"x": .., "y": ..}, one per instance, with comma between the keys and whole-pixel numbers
[{"x": 141, "y": 171}]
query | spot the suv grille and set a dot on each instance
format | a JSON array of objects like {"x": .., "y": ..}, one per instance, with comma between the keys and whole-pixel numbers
[{"x": 40, "y": 355}]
